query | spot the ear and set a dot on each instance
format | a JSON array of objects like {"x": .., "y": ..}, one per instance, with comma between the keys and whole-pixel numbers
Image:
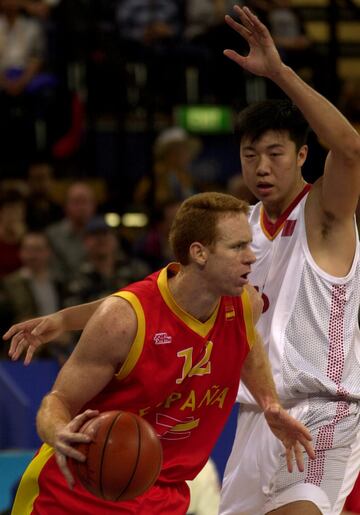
[
  {"x": 302, "y": 155},
  {"x": 198, "y": 253}
]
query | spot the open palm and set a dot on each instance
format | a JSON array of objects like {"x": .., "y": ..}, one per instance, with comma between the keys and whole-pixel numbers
[
  {"x": 293, "y": 434},
  {"x": 263, "y": 58}
]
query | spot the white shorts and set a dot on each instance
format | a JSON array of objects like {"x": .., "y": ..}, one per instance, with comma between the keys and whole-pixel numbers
[{"x": 256, "y": 480}]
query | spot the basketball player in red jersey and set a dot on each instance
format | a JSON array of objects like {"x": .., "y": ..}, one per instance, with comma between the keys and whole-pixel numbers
[{"x": 170, "y": 348}]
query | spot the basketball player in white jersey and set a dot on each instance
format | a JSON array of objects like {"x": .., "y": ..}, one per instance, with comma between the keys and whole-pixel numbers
[{"x": 308, "y": 271}]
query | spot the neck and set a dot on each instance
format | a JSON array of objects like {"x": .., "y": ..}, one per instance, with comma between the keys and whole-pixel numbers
[
  {"x": 40, "y": 275},
  {"x": 276, "y": 208},
  {"x": 192, "y": 295}
]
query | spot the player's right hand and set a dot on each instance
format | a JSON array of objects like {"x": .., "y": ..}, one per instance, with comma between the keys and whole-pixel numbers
[
  {"x": 65, "y": 439},
  {"x": 29, "y": 335}
]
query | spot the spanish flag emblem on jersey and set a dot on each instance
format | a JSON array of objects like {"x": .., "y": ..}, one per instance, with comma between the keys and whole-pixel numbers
[{"x": 229, "y": 312}]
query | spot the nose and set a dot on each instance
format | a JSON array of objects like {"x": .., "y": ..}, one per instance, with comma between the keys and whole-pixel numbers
[
  {"x": 250, "y": 256},
  {"x": 263, "y": 165}
]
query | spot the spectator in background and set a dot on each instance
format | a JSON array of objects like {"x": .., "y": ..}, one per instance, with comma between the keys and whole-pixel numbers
[
  {"x": 207, "y": 33},
  {"x": 38, "y": 8},
  {"x": 26, "y": 91},
  {"x": 174, "y": 150},
  {"x": 289, "y": 34},
  {"x": 67, "y": 236},
  {"x": 42, "y": 210},
  {"x": 236, "y": 186},
  {"x": 32, "y": 290},
  {"x": 22, "y": 48},
  {"x": 153, "y": 247},
  {"x": 12, "y": 229},
  {"x": 150, "y": 32},
  {"x": 105, "y": 269}
]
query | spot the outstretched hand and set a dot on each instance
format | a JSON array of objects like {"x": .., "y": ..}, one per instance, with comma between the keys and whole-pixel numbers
[
  {"x": 29, "y": 335},
  {"x": 292, "y": 433},
  {"x": 263, "y": 58}
]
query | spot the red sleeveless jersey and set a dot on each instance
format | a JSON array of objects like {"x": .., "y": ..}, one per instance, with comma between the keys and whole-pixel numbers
[{"x": 181, "y": 375}]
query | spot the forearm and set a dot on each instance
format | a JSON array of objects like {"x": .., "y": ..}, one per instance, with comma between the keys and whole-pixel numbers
[
  {"x": 257, "y": 376},
  {"x": 328, "y": 123},
  {"x": 76, "y": 317},
  {"x": 52, "y": 416}
]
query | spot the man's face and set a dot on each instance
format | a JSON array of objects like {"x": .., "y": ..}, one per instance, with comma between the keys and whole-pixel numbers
[
  {"x": 230, "y": 257},
  {"x": 271, "y": 166},
  {"x": 80, "y": 204},
  {"x": 35, "y": 252},
  {"x": 101, "y": 244}
]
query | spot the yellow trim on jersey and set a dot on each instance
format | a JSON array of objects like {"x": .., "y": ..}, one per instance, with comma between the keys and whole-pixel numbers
[
  {"x": 248, "y": 317},
  {"x": 186, "y": 426},
  {"x": 28, "y": 489},
  {"x": 269, "y": 236},
  {"x": 138, "y": 343},
  {"x": 201, "y": 328}
]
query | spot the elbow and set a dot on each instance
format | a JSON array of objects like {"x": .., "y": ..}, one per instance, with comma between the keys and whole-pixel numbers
[{"x": 351, "y": 149}]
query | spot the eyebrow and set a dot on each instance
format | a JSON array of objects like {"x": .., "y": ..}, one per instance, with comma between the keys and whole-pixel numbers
[{"x": 269, "y": 147}]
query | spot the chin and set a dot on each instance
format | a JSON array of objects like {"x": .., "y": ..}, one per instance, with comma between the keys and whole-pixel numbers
[{"x": 234, "y": 292}]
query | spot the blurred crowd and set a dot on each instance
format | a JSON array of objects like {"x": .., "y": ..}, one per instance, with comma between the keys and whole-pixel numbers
[{"x": 69, "y": 69}]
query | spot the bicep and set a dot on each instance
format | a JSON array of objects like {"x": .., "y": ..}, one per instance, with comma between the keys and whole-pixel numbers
[
  {"x": 340, "y": 186},
  {"x": 102, "y": 348}
]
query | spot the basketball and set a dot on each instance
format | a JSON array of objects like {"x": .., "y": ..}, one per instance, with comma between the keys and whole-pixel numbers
[{"x": 123, "y": 460}]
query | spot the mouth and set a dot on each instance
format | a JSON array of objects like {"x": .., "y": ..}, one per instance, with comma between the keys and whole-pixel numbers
[
  {"x": 244, "y": 279},
  {"x": 264, "y": 187}
]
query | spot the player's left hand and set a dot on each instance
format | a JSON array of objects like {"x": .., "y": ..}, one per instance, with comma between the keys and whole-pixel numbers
[
  {"x": 263, "y": 58},
  {"x": 292, "y": 433}
]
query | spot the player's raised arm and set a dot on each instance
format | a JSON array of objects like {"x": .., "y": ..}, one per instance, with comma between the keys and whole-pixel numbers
[
  {"x": 340, "y": 189},
  {"x": 31, "y": 334}
]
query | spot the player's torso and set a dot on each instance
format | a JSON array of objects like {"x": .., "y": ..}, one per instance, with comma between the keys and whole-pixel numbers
[
  {"x": 309, "y": 324},
  {"x": 182, "y": 375}
]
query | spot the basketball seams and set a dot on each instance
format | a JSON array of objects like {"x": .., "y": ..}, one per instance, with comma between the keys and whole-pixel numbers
[
  {"x": 103, "y": 452},
  {"x": 136, "y": 460},
  {"x": 125, "y": 458}
]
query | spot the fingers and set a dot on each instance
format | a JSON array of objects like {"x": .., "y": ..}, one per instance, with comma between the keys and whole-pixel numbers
[
  {"x": 299, "y": 457},
  {"x": 234, "y": 56},
  {"x": 308, "y": 446},
  {"x": 248, "y": 19},
  {"x": 14, "y": 329},
  {"x": 67, "y": 438},
  {"x": 61, "y": 461},
  {"x": 289, "y": 459},
  {"x": 80, "y": 420},
  {"x": 21, "y": 341},
  {"x": 237, "y": 27},
  {"x": 41, "y": 328}
]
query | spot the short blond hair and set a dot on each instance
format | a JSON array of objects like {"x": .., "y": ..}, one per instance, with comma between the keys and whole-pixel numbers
[{"x": 196, "y": 220}]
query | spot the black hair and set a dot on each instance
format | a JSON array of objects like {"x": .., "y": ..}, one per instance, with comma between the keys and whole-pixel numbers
[{"x": 272, "y": 115}]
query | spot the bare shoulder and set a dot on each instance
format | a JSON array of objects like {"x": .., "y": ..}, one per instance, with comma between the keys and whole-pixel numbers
[
  {"x": 256, "y": 302},
  {"x": 109, "y": 333},
  {"x": 118, "y": 311}
]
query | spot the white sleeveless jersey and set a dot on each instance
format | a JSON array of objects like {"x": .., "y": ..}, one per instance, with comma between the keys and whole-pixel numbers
[{"x": 310, "y": 319}]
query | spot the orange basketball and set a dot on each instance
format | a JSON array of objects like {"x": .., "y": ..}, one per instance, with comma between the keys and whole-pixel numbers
[{"x": 123, "y": 461}]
